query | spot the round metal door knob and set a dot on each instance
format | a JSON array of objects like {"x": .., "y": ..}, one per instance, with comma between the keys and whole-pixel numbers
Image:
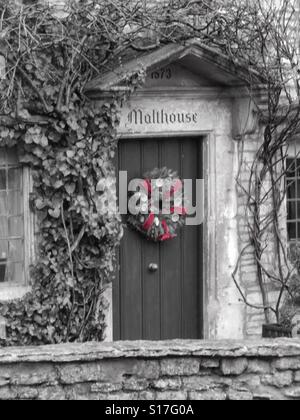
[{"x": 153, "y": 267}]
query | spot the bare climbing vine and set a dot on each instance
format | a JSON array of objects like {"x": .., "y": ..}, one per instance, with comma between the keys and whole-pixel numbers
[{"x": 266, "y": 189}]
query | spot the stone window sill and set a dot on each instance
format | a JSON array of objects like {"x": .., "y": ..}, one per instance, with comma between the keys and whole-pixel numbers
[{"x": 10, "y": 292}]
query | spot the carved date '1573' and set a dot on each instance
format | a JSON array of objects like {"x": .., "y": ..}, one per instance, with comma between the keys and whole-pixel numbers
[{"x": 162, "y": 74}]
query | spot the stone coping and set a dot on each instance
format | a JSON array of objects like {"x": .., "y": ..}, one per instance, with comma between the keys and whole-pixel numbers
[{"x": 90, "y": 352}]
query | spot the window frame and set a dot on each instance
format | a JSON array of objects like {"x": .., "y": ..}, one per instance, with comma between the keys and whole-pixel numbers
[
  {"x": 294, "y": 163},
  {"x": 29, "y": 223}
]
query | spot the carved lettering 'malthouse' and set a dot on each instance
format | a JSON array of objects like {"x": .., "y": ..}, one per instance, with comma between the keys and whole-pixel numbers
[{"x": 139, "y": 117}]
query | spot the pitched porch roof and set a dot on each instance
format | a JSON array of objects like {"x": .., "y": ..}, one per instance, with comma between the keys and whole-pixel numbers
[{"x": 193, "y": 55}]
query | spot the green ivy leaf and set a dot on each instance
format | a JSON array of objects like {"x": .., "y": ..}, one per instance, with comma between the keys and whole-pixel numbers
[
  {"x": 70, "y": 188},
  {"x": 70, "y": 154},
  {"x": 55, "y": 213},
  {"x": 58, "y": 184},
  {"x": 40, "y": 204}
]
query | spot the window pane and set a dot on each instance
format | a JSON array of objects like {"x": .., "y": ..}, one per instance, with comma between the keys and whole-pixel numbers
[
  {"x": 2, "y": 179},
  {"x": 298, "y": 189},
  {"x": 15, "y": 203},
  {"x": 292, "y": 214},
  {"x": 292, "y": 231},
  {"x": 3, "y": 204},
  {"x": 3, "y": 227},
  {"x": 291, "y": 190},
  {"x": 10, "y": 272},
  {"x": 293, "y": 168},
  {"x": 14, "y": 179},
  {"x": 3, "y": 248},
  {"x": 15, "y": 250},
  {"x": 297, "y": 168},
  {"x": 3, "y": 260},
  {"x": 3, "y": 265},
  {"x": 14, "y": 271},
  {"x": 290, "y": 164},
  {"x": 17, "y": 272},
  {"x": 298, "y": 211},
  {"x": 11, "y": 218},
  {"x": 298, "y": 231},
  {"x": 15, "y": 227},
  {"x": 3, "y": 158},
  {"x": 12, "y": 156}
]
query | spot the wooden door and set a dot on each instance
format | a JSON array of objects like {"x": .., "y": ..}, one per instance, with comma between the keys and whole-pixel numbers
[{"x": 166, "y": 304}]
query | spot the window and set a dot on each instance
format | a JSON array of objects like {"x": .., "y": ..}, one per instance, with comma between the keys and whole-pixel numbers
[
  {"x": 293, "y": 198},
  {"x": 13, "y": 226}
]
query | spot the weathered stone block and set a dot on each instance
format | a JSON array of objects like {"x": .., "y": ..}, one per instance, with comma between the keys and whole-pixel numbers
[
  {"x": 297, "y": 376},
  {"x": 253, "y": 298},
  {"x": 208, "y": 363},
  {"x": 119, "y": 396},
  {"x": 259, "y": 366},
  {"x": 6, "y": 393},
  {"x": 106, "y": 371},
  {"x": 197, "y": 383},
  {"x": 288, "y": 363},
  {"x": 52, "y": 393},
  {"x": 250, "y": 380},
  {"x": 106, "y": 387},
  {"x": 149, "y": 369},
  {"x": 146, "y": 396},
  {"x": 177, "y": 367},
  {"x": 26, "y": 392},
  {"x": 78, "y": 373},
  {"x": 167, "y": 384},
  {"x": 172, "y": 395},
  {"x": 80, "y": 397},
  {"x": 261, "y": 397},
  {"x": 201, "y": 383},
  {"x": 127, "y": 396},
  {"x": 206, "y": 372},
  {"x": 6, "y": 372},
  {"x": 279, "y": 379},
  {"x": 240, "y": 395},
  {"x": 213, "y": 395},
  {"x": 4, "y": 381},
  {"x": 29, "y": 374},
  {"x": 293, "y": 393},
  {"x": 134, "y": 384},
  {"x": 234, "y": 367},
  {"x": 79, "y": 392}
]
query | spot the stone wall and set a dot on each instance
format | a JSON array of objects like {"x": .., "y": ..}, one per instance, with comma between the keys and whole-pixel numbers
[
  {"x": 248, "y": 267},
  {"x": 248, "y": 272},
  {"x": 265, "y": 370}
]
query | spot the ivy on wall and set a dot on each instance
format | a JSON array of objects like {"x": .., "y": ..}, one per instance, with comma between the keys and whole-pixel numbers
[
  {"x": 69, "y": 144},
  {"x": 76, "y": 243}
]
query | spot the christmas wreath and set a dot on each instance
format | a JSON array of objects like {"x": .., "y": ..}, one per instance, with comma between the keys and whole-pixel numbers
[{"x": 157, "y": 210}]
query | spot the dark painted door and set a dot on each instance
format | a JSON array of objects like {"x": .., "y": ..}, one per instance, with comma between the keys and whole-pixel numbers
[{"x": 166, "y": 304}]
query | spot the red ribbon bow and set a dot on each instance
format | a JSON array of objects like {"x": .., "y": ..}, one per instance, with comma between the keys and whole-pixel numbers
[
  {"x": 167, "y": 235},
  {"x": 149, "y": 222},
  {"x": 174, "y": 210}
]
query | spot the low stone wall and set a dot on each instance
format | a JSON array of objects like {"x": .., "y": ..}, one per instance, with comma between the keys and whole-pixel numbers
[{"x": 177, "y": 370}]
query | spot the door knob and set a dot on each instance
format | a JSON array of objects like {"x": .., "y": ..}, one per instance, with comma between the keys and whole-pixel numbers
[{"x": 153, "y": 267}]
